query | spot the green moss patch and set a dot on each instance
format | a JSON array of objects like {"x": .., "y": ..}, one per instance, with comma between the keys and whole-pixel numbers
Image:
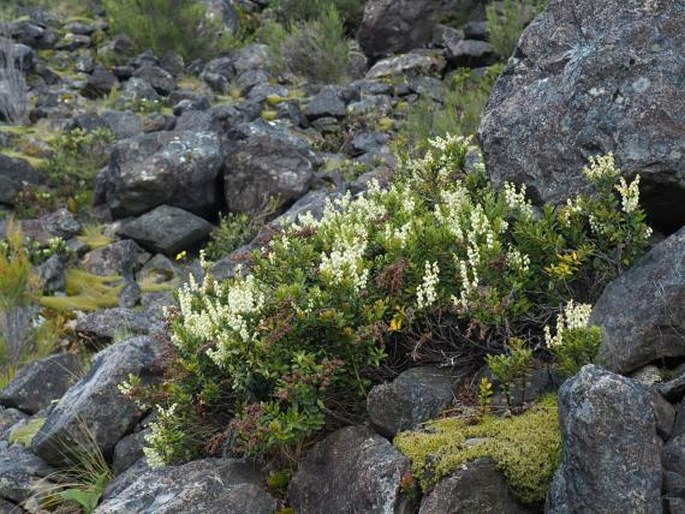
[
  {"x": 526, "y": 448},
  {"x": 25, "y": 433}
]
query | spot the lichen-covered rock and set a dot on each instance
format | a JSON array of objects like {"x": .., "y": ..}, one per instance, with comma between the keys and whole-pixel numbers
[
  {"x": 173, "y": 168},
  {"x": 118, "y": 258},
  {"x": 94, "y": 411},
  {"x": 15, "y": 175},
  {"x": 416, "y": 395},
  {"x": 611, "y": 450},
  {"x": 265, "y": 167},
  {"x": 37, "y": 384},
  {"x": 353, "y": 471},
  {"x": 476, "y": 488},
  {"x": 101, "y": 327},
  {"x": 642, "y": 312},
  {"x": 205, "y": 486},
  {"x": 20, "y": 472},
  {"x": 418, "y": 62},
  {"x": 167, "y": 230},
  {"x": 589, "y": 78}
]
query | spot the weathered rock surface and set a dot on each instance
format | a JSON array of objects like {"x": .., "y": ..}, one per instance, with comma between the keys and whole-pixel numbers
[
  {"x": 476, "y": 488},
  {"x": 15, "y": 175},
  {"x": 642, "y": 312},
  {"x": 40, "y": 382},
  {"x": 416, "y": 395},
  {"x": 167, "y": 230},
  {"x": 200, "y": 487},
  {"x": 20, "y": 472},
  {"x": 101, "y": 327},
  {"x": 589, "y": 78},
  {"x": 118, "y": 258},
  {"x": 94, "y": 410},
  {"x": 610, "y": 449},
  {"x": 173, "y": 168},
  {"x": 354, "y": 471},
  {"x": 265, "y": 167},
  {"x": 419, "y": 62}
]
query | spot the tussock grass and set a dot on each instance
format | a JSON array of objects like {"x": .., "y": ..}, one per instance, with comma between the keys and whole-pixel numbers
[{"x": 85, "y": 292}]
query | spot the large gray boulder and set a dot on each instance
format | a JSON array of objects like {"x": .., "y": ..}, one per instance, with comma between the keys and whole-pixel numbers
[
  {"x": 642, "y": 312},
  {"x": 353, "y": 471},
  {"x": 173, "y": 168},
  {"x": 610, "y": 447},
  {"x": 15, "y": 175},
  {"x": 416, "y": 395},
  {"x": 205, "y": 486},
  {"x": 101, "y": 327},
  {"x": 167, "y": 230},
  {"x": 37, "y": 384},
  {"x": 588, "y": 78},
  {"x": 265, "y": 167},
  {"x": 94, "y": 411},
  {"x": 475, "y": 488}
]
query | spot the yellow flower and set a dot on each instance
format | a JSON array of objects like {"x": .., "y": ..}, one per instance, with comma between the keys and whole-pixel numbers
[{"x": 181, "y": 255}]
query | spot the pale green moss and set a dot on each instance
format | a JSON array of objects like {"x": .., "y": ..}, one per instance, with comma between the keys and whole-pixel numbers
[
  {"x": 526, "y": 448},
  {"x": 36, "y": 162},
  {"x": 269, "y": 115},
  {"x": 25, "y": 433}
]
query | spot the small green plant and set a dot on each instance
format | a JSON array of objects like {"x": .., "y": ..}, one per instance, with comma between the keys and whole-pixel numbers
[
  {"x": 316, "y": 49},
  {"x": 505, "y": 25},
  {"x": 18, "y": 284},
  {"x": 181, "y": 26},
  {"x": 437, "y": 267},
  {"x": 456, "y": 112},
  {"x": 92, "y": 236},
  {"x": 484, "y": 397},
  {"x": 526, "y": 448},
  {"x": 511, "y": 368}
]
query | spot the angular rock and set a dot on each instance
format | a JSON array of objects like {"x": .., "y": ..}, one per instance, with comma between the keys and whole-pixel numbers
[
  {"x": 10, "y": 417},
  {"x": 589, "y": 78},
  {"x": 167, "y": 230},
  {"x": 158, "y": 78},
  {"x": 176, "y": 168},
  {"x": 470, "y": 53},
  {"x": 37, "y": 384},
  {"x": 51, "y": 274},
  {"x": 206, "y": 486},
  {"x": 393, "y": 26},
  {"x": 100, "y": 83},
  {"x": 262, "y": 168},
  {"x": 419, "y": 62},
  {"x": 354, "y": 471},
  {"x": 416, "y": 395},
  {"x": 128, "y": 451},
  {"x": 327, "y": 103},
  {"x": 94, "y": 411},
  {"x": 15, "y": 175},
  {"x": 137, "y": 89},
  {"x": 653, "y": 324},
  {"x": 101, "y": 327},
  {"x": 477, "y": 488},
  {"x": 117, "y": 258},
  {"x": 20, "y": 472},
  {"x": 124, "y": 124},
  {"x": 610, "y": 447}
]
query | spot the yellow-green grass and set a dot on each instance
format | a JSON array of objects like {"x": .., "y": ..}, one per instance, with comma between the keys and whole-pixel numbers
[{"x": 85, "y": 292}]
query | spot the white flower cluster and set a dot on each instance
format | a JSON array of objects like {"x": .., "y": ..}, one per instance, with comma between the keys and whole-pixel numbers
[
  {"x": 426, "y": 294},
  {"x": 398, "y": 235},
  {"x": 518, "y": 261},
  {"x": 516, "y": 200},
  {"x": 468, "y": 273},
  {"x": 600, "y": 166},
  {"x": 574, "y": 315},
  {"x": 630, "y": 194},
  {"x": 450, "y": 209},
  {"x": 156, "y": 439},
  {"x": 346, "y": 261}
]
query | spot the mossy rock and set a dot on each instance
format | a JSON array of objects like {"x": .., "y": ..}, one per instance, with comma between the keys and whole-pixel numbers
[{"x": 526, "y": 448}]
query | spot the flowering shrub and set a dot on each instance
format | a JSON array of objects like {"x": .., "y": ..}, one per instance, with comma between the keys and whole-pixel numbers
[{"x": 438, "y": 267}]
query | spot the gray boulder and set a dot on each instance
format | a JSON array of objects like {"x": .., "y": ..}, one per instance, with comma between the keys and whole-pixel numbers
[
  {"x": 589, "y": 78},
  {"x": 158, "y": 78},
  {"x": 15, "y": 175},
  {"x": 176, "y": 168},
  {"x": 265, "y": 167},
  {"x": 117, "y": 258},
  {"x": 204, "y": 486},
  {"x": 36, "y": 385},
  {"x": 416, "y": 395},
  {"x": 327, "y": 103},
  {"x": 94, "y": 411},
  {"x": 167, "y": 230},
  {"x": 610, "y": 447},
  {"x": 476, "y": 488},
  {"x": 101, "y": 327},
  {"x": 419, "y": 62},
  {"x": 653, "y": 327},
  {"x": 392, "y": 26},
  {"x": 354, "y": 471},
  {"x": 21, "y": 472}
]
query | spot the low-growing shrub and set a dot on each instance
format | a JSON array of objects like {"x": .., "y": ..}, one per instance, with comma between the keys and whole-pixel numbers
[
  {"x": 506, "y": 21},
  {"x": 316, "y": 49},
  {"x": 439, "y": 267},
  {"x": 181, "y": 26}
]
